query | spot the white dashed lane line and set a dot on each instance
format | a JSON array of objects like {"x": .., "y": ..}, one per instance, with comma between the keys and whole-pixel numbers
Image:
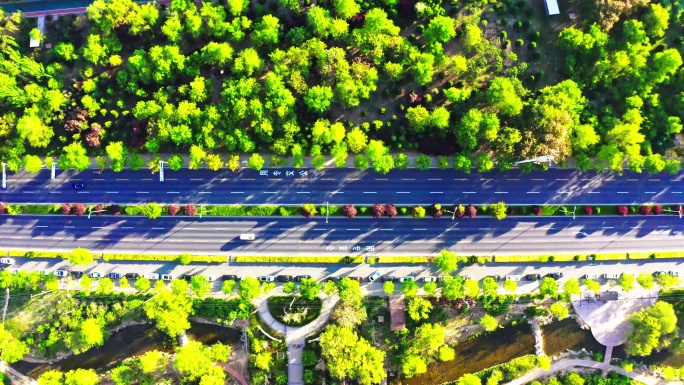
[{"x": 173, "y": 192}]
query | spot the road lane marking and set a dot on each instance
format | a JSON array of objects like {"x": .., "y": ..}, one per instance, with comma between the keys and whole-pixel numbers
[
  {"x": 654, "y": 180},
  {"x": 594, "y": 192},
  {"x": 407, "y": 179},
  {"x": 29, "y": 192},
  {"x": 220, "y": 228},
  {"x": 83, "y": 192},
  {"x": 170, "y": 179},
  {"x": 623, "y": 192},
  {"x": 111, "y": 192},
  {"x": 173, "y": 192},
  {"x": 533, "y": 192},
  {"x": 353, "y": 229},
  {"x": 607, "y": 227},
  {"x": 13, "y": 237},
  {"x": 537, "y": 178},
  {"x": 269, "y": 192},
  {"x": 434, "y": 178},
  {"x": 248, "y": 179},
  {"x": 205, "y": 192},
  {"x": 370, "y": 192},
  {"x": 586, "y": 179},
  {"x": 331, "y": 179},
  {"x": 98, "y": 227},
  {"x": 500, "y": 192},
  {"x": 41, "y": 226},
  {"x": 275, "y": 178},
  {"x": 127, "y": 227},
  {"x": 157, "y": 228},
  {"x": 142, "y": 192},
  {"x": 486, "y": 179},
  {"x": 55, "y": 192},
  {"x": 381, "y": 179},
  {"x": 121, "y": 179},
  {"x": 635, "y": 227},
  {"x": 461, "y": 179},
  {"x": 485, "y": 228},
  {"x": 69, "y": 227},
  {"x": 436, "y": 192},
  {"x": 196, "y": 178},
  {"x": 419, "y": 229},
  {"x": 632, "y": 180},
  {"x": 675, "y": 192},
  {"x": 347, "y": 179},
  {"x": 650, "y": 192},
  {"x": 147, "y": 179},
  {"x": 320, "y": 229},
  {"x": 337, "y": 192},
  {"x": 562, "y": 179},
  {"x": 98, "y": 179},
  {"x": 303, "y": 192},
  {"x": 403, "y": 192},
  {"x": 386, "y": 229},
  {"x": 469, "y": 192},
  {"x": 75, "y": 179},
  {"x": 512, "y": 178},
  {"x": 191, "y": 228},
  {"x": 663, "y": 227},
  {"x": 565, "y": 192}
]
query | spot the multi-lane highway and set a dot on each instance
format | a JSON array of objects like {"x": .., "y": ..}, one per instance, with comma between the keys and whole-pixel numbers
[
  {"x": 344, "y": 186},
  {"x": 35, "y": 8},
  {"x": 342, "y": 236}
]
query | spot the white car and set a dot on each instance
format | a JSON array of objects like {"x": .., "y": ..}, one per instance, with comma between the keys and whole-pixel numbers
[
  {"x": 96, "y": 274},
  {"x": 674, "y": 273},
  {"x": 374, "y": 276},
  {"x": 513, "y": 278},
  {"x": 611, "y": 275},
  {"x": 61, "y": 273},
  {"x": 7, "y": 261},
  {"x": 167, "y": 277},
  {"x": 152, "y": 276},
  {"x": 406, "y": 278},
  {"x": 429, "y": 278},
  {"x": 247, "y": 237},
  {"x": 592, "y": 276},
  {"x": 266, "y": 278}
]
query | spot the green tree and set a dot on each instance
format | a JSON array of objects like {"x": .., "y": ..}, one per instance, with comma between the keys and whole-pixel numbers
[
  {"x": 439, "y": 118},
  {"x": 151, "y": 210},
  {"x": 490, "y": 287},
  {"x": 346, "y": 8},
  {"x": 289, "y": 287},
  {"x": 652, "y": 329},
  {"x": 351, "y": 311},
  {"x": 318, "y": 98},
  {"x": 423, "y": 162},
  {"x": 233, "y": 163},
  {"x": 357, "y": 140},
  {"x": 118, "y": 155},
  {"x": 170, "y": 311},
  {"x": 428, "y": 338},
  {"x": 197, "y": 157},
  {"x": 446, "y": 261},
  {"x": 592, "y": 285},
  {"x": 627, "y": 282},
  {"x": 123, "y": 283},
  {"x": 249, "y": 288},
  {"x": 32, "y": 163},
  {"x": 200, "y": 285},
  {"x": 510, "y": 285},
  {"x": 645, "y": 280},
  {"x": 51, "y": 377},
  {"x": 214, "y": 162},
  {"x": 409, "y": 288},
  {"x": 401, "y": 162},
  {"x": 489, "y": 323},
  {"x": 81, "y": 377},
  {"x": 667, "y": 280},
  {"x": 471, "y": 288},
  {"x": 194, "y": 361},
  {"x": 80, "y": 257},
  {"x": 175, "y": 162},
  {"x": 136, "y": 162},
  {"x": 571, "y": 286},
  {"x": 413, "y": 364},
  {"x": 309, "y": 288},
  {"x": 11, "y": 348},
  {"x": 75, "y": 156},
  {"x": 423, "y": 68},
  {"x": 248, "y": 62},
  {"x": 365, "y": 365},
  {"x": 441, "y": 29},
  {"x": 502, "y": 95},
  {"x": 498, "y": 210},
  {"x": 559, "y": 310},
  {"x": 266, "y": 31},
  {"x": 469, "y": 379},
  {"x": 152, "y": 361},
  {"x": 656, "y": 20},
  {"x": 418, "y": 118},
  {"x": 389, "y": 287},
  {"x": 142, "y": 284},
  {"x": 452, "y": 288},
  {"x": 446, "y": 354},
  {"x": 419, "y": 308},
  {"x": 430, "y": 288},
  {"x": 89, "y": 334},
  {"x": 105, "y": 286},
  {"x": 32, "y": 129},
  {"x": 228, "y": 287},
  {"x": 361, "y": 162},
  {"x": 256, "y": 162},
  {"x": 548, "y": 286}
]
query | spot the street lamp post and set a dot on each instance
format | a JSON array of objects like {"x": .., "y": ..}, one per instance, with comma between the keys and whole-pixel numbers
[
  {"x": 673, "y": 211},
  {"x": 95, "y": 211},
  {"x": 570, "y": 212},
  {"x": 4, "y": 175},
  {"x": 453, "y": 214},
  {"x": 53, "y": 172}
]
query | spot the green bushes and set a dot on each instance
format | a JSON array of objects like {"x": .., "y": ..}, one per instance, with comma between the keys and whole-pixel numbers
[
  {"x": 277, "y": 259},
  {"x": 403, "y": 259},
  {"x": 164, "y": 257},
  {"x": 656, "y": 255},
  {"x": 38, "y": 254}
]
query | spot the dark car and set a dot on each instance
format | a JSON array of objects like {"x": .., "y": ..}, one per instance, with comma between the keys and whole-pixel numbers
[
  {"x": 78, "y": 186},
  {"x": 360, "y": 279},
  {"x": 532, "y": 277},
  {"x": 231, "y": 277},
  {"x": 388, "y": 278},
  {"x": 299, "y": 278},
  {"x": 132, "y": 275},
  {"x": 77, "y": 274},
  {"x": 114, "y": 275},
  {"x": 97, "y": 172},
  {"x": 333, "y": 279},
  {"x": 555, "y": 275},
  {"x": 187, "y": 277},
  {"x": 284, "y": 278},
  {"x": 496, "y": 277}
]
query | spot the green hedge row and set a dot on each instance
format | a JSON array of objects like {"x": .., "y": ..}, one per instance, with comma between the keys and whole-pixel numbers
[
  {"x": 401, "y": 259},
  {"x": 39, "y": 254},
  {"x": 274, "y": 259},
  {"x": 164, "y": 257},
  {"x": 587, "y": 257}
]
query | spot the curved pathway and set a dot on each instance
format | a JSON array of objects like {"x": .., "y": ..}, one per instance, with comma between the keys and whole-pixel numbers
[
  {"x": 568, "y": 363},
  {"x": 295, "y": 335},
  {"x": 235, "y": 373}
]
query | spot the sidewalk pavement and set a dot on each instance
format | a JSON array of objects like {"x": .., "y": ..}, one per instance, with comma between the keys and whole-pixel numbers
[
  {"x": 296, "y": 335},
  {"x": 566, "y": 364}
]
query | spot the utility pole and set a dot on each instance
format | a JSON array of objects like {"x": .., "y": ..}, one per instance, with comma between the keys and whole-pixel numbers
[
  {"x": 4, "y": 310},
  {"x": 4, "y": 175},
  {"x": 53, "y": 172},
  {"x": 161, "y": 170}
]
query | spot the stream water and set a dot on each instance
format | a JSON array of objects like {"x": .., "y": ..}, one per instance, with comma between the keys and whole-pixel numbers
[
  {"x": 130, "y": 341},
  {"x": 478, "y": 353},
  {"x": 567, "y": 334}
]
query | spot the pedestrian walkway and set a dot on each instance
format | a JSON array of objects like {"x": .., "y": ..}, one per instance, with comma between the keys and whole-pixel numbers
[
  {"x": 569, "y": 363},
  {"x": 295, "y": 336},
  {"x": 235, "y": 373}
]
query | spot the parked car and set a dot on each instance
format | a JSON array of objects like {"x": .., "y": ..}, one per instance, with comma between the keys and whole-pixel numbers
[
  {"x": 659, "y": 273},
  {"x": 443, "y": 278},
  {"x": 299, "y": 278},
  {"x": 231, "y": 277},
  {"x": 532, "y": 277},
  {"x": 7, "y": 261},
  {"x": 43, "y": 271},
  {"x": 167, "y": 277},
  {"x": 374, "y": 276},
  {"x": 611, "y": 275},
  {"x": 558, "y": 275},
  {"x": 513, "y": 278},
  {"x": 495, "y": 277},
  {"x": 14, "y": 271},
  {"x": 97, "y": 172},
  {"x": 151, "y": 276},
  {"x": 333, "y": 278},
  {"x": 465, "y": 276},
  {"x": 266, "y": 278},
  {"x": 284, "y": 278},
  {"x": 674, "y": 273},
  {"x": 429, "y": 278},
  {"x": 210, "y": 278},
  {"x": 114, "y": 275},
  {"x": 132, "y": 275},
  {"x": 77, "y": 274},
  {"x": 96, "y": 274},
  {"x": 61, "y": 273},
  {"x": 78, "y": 186},
  {"x": 406, "y": 278},
  {"x": 388, "y": 278},
  {"x": 592, "y": 276},
  {"x": 360, "y": 279},
  {"x": 187, "y": 277}
]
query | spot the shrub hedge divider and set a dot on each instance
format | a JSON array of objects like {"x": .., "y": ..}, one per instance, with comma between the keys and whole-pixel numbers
[{"x": 320, "y": 259}]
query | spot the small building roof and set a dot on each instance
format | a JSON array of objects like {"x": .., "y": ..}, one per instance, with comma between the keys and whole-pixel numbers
[{"x": 551, "y": 7}]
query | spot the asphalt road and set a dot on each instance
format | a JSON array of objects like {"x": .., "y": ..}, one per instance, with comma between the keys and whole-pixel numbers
[
  {"x": 344, "y": 186},
  {"x": 35, "y": 8},
  {"x": 342, "y": 236}
]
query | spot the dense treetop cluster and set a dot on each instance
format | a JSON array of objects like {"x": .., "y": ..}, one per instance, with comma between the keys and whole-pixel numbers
[{"x": 297, "y": 78}]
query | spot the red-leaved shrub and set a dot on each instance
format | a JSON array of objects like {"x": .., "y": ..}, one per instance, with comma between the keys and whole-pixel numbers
[
  {"x": 622, "y": 210},
  {"x": 657, "y": 209},
  {"x": 115, "y": 209},
  {"x": 588, "y": 210},
  {"x": 471, "y": 211},
  {"x": 536, "y": 210},
  {"x": 79, "y": 209},
  {"x": 645, "y": 210},
  {"x": 173, "y": 209},
  {"x": 390, "y": 210},
  {"x": 378, "y": 210},
  {"x": 190, "y": 210},
  {"x": 66, "y": 208},
  {"x": 349, "y": 210}
]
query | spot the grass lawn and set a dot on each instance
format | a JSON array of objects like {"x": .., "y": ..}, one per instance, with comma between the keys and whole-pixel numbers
[{"x": 294, "y": 310}]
